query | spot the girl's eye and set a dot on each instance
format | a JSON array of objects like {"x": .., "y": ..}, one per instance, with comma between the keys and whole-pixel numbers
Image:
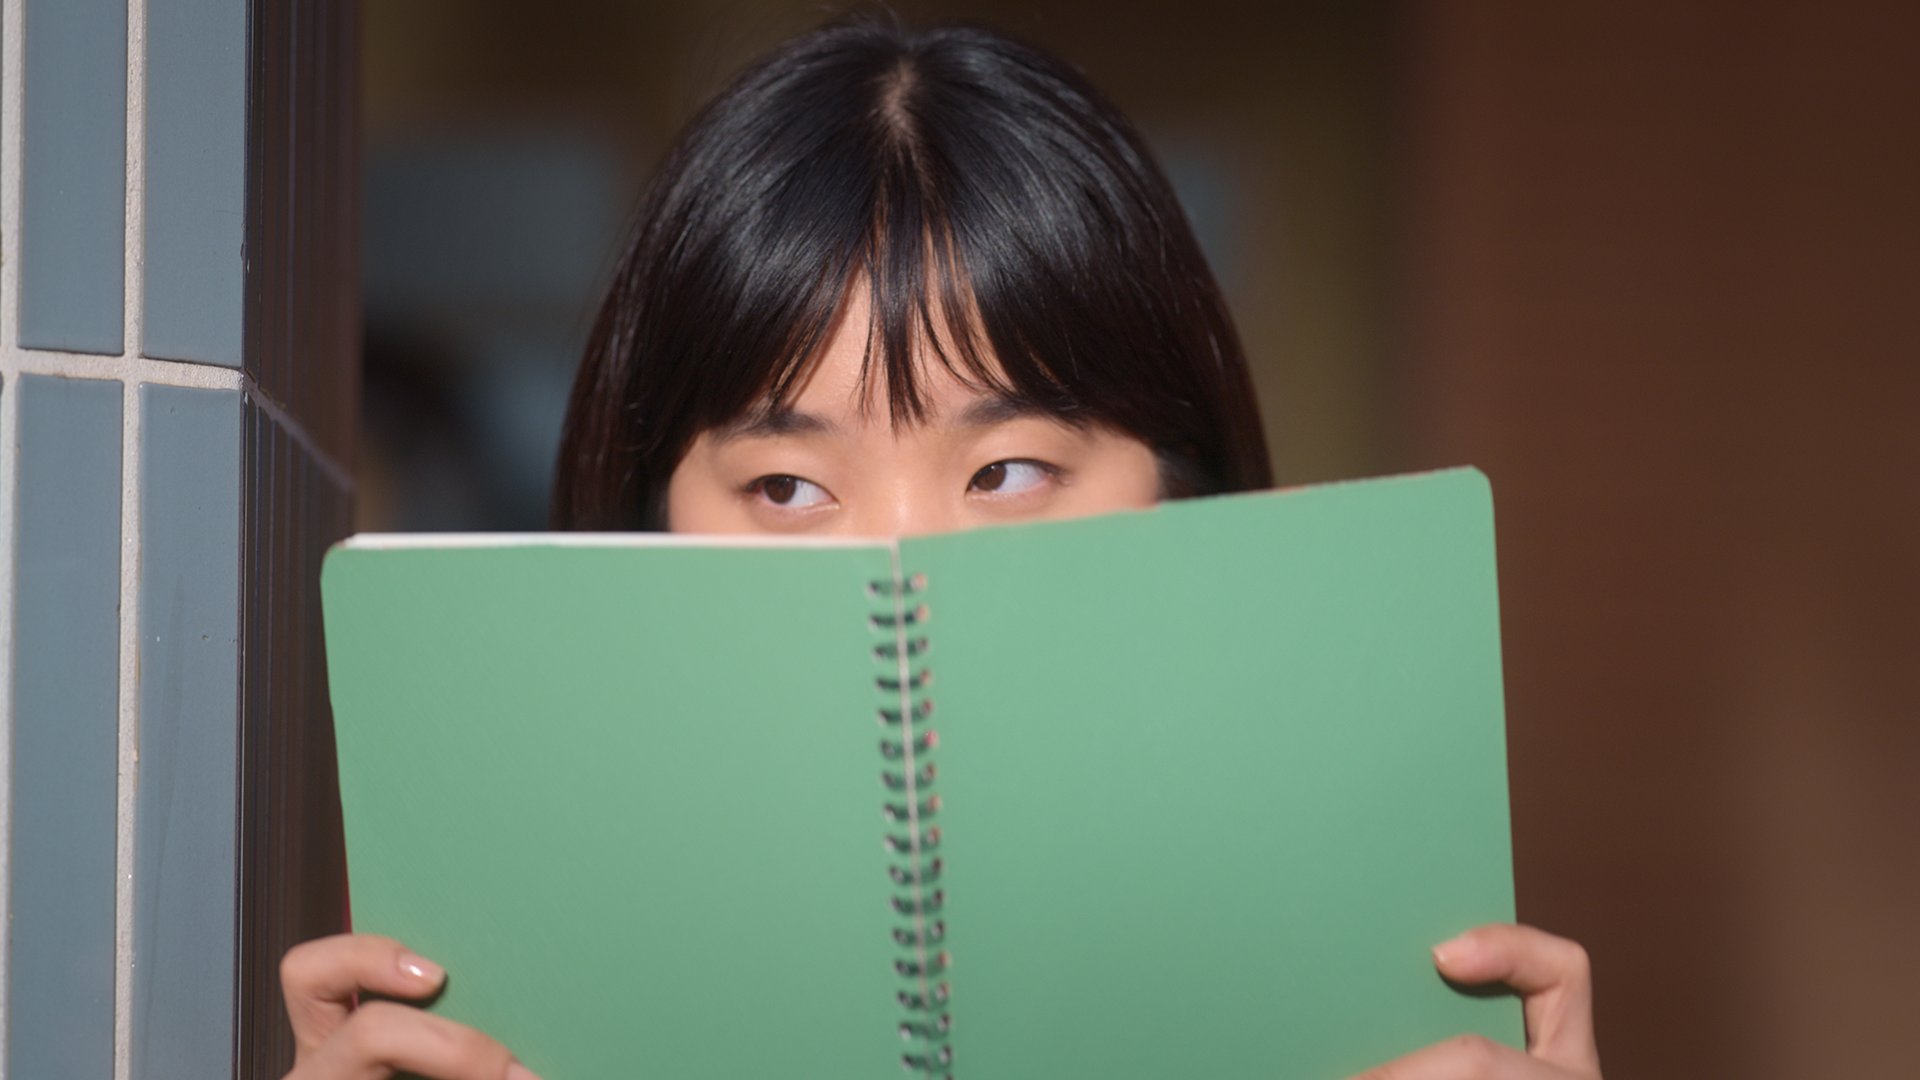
[
  {"x": 790, "y": 492},
  {"x": 1012, "y": 477}
]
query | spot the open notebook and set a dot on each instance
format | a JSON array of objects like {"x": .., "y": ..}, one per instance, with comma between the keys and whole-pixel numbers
[{"x": 1183, "y": 792}]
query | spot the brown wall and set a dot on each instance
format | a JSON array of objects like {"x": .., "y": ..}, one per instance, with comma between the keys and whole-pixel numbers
[{"x": 1663, "y": 277}]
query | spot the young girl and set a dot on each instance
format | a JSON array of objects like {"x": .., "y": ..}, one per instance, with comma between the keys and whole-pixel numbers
[{"x": 888, "y": 283}]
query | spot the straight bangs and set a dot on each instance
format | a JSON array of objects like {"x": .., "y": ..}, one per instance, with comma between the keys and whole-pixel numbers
[
  {"x": 922, "y": 308},
  {"x": 1004, "y": 221}
]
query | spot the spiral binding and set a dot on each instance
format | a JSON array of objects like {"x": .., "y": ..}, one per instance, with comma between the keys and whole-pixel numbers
[{"x": 911, "y": 804}]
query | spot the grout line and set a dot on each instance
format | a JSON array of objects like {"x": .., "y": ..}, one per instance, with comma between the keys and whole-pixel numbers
[
  {"x": 135, "y": 216},
  {"x": 134, "y": 370},
  {"x": 134, "y": 292},
  {"x": 12, "y": 82},
  {"x": 131, "y": 369},
  {"x": 9, "y": 485},
  {"x": 129, "y": 741}
]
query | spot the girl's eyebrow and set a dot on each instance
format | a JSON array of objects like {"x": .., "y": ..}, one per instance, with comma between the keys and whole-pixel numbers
[
  {"x": 773, "y": 423},
  {"x": 993, "y": 409},
  {"x": 987, "y": 410}
]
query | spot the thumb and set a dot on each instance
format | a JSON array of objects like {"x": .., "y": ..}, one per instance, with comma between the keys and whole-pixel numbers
[{"x": 1553, "y": 978}]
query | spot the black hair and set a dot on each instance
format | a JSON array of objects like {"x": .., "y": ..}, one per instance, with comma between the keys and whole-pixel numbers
[{"x": 974, "y": 185}]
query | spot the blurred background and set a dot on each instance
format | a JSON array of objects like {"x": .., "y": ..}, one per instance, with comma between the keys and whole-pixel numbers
[{"x": 1653, "y": 266}]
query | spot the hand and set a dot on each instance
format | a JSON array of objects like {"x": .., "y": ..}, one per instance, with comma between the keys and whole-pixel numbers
[
  {"x": 1552, "y": 977},
  {"x": 334, "y": 1040}
]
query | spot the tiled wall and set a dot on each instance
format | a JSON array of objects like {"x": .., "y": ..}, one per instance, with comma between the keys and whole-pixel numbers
[{"x": 178, "y": 343}]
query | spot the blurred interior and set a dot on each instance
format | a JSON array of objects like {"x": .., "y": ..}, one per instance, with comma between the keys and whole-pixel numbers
[{"x": 1652, "y": 266}]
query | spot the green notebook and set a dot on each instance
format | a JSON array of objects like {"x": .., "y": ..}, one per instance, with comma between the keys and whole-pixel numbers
[{"x": 1183, "y": 792}]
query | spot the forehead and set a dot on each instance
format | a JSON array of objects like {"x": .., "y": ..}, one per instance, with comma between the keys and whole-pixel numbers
[
  {"x": 825, "y": 409},
  {"x": 844, "y": 388},
  {"x": 848, "y": 377}
]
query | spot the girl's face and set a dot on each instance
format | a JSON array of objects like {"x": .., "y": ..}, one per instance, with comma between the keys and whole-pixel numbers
[{"x": 833, "y": 464}]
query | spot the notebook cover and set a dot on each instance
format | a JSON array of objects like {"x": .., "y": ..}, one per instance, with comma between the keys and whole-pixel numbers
[
  {"x": 1215, "y": 777},
  {"x": 627, "y": 795},
  {"x": 1211, "y": 777}
]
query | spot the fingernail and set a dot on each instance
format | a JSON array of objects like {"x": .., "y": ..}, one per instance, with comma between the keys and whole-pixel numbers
[
  {"x": 517, "y": 1071},
  {"x": 1449, "y": 949},
  {"x": 422, "y": 968}
]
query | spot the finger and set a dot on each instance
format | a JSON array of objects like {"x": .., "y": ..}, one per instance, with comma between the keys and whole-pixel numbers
[
  {"x": 320, "y": 978},
  {"x": 1465, "y": 1057},
  {"x": 1554, "y": 980},
  {"x": 383, "y": 1037},
  {"x": 1524, "y": 958}
]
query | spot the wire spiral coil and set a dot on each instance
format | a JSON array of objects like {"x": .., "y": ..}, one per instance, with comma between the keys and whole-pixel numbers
[{"x": 907, "y": 778}]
